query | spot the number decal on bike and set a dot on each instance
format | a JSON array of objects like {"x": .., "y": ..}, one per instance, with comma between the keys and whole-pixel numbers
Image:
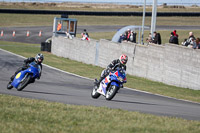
[{"x": 18, "y": 75}]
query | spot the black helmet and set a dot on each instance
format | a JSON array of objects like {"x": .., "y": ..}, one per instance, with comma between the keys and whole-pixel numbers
[{"x": 39, "y": 58}]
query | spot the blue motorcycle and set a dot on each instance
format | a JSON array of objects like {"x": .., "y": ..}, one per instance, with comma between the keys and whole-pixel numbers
[
  {"x": 110, "y": 85},
  {"x": 23, "y": 78}
]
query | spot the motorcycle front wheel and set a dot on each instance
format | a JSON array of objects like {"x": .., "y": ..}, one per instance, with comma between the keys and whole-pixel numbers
[
  {"x": 94, "y": 93},
  {"x": 111, "y": 92},
  {"x": 24, "y": 83},
  {"x": 9, "y": 86}
]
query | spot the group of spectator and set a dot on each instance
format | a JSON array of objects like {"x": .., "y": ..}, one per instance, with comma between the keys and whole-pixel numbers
[
  {"x": 156, "y": 39},
  {"x": 128, "y": 36},
  {"x": 174, "y": 38},
  {"x": 192, "y": 42}
]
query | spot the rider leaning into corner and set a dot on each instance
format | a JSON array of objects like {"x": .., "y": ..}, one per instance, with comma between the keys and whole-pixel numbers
[
  {"x": 121, "y": 62},
  {"x": 38, "y": 59}
]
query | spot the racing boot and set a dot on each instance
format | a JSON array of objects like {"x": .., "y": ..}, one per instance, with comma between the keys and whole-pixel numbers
[
  {"x": 96, "y": 82},
  {"x": 9, "y": 86},
  {"x": 11, "y": 79},
  {"x": 99, "y": 81}
]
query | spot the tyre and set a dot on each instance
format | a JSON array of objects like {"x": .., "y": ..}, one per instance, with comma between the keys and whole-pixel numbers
[
  {"x": 24, "y": 83},
  {"x": 111, "y": 92},
  {"x": 9, "y": 86},
  {"x": 94, "y": 93}
]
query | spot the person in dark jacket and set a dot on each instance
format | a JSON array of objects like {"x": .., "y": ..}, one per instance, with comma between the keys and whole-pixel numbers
[
  {"x": 173, "y": 39},
  {"x": 38, "y": 59},
  {"x": 156, "y": 38},
  {"x": 121, "y": 62}
]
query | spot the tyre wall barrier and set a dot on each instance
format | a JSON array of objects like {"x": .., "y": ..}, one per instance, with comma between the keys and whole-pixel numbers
[
  {"x": 45, "y": 46},
  {"x": 160, "y": 14},
  {"x": 170, "y": 64}
]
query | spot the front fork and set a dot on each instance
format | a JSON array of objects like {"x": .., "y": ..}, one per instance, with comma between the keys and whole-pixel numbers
[{"x": 24, "y": 78}]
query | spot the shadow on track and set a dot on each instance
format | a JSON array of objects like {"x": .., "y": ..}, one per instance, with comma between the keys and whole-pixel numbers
[
  {"x": 47, "y": 93},
  {"x": 120, "y": 101}
]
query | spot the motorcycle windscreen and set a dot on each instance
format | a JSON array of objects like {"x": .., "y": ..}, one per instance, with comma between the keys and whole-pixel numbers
[{"x": 35, "y": 69}]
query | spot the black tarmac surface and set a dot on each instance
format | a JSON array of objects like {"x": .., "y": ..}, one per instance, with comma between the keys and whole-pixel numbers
[{"x": 66, "y": 88}]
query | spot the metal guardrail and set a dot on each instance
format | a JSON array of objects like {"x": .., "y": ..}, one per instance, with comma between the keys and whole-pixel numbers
[{"x": 160, "y": 14}]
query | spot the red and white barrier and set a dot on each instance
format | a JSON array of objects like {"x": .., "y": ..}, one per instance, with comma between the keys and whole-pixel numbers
[
  {"x": 14, "y": 33},
  {"x": 2, "y": 33},
  {"x": 40, "y": 33},
  {"x": 27, "y": 33}
]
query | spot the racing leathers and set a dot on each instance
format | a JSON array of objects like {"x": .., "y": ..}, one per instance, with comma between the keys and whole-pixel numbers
[
  {"x": 25, "y": 66},
  {"x": 111, "y": 67}
]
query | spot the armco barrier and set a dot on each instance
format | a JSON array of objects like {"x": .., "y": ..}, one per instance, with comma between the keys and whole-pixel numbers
[{"x": 170, "y": 64}]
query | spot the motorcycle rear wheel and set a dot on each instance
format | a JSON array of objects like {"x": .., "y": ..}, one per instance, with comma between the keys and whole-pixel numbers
[
  {"x": 94, "y": 93},
  {"x": 24, "y": 83},
  {"x": 111, "y": 92}
]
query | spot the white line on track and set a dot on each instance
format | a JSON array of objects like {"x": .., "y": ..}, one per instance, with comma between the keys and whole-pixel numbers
[{"x": 93, "y": 79}]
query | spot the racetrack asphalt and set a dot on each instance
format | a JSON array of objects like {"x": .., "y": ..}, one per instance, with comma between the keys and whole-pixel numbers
[
  {"x": 58, "y": 86},
  {"x": 20, "y": 32}
]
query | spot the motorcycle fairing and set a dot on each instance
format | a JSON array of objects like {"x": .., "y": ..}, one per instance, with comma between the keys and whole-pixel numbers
[
  {"x": 33, "y": 69},
  {"x": 18, "y": 78},
  {"x": 103, "y": 85}
]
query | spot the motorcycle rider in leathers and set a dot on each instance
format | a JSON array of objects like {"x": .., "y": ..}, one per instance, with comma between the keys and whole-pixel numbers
[
  {"x": 121, "y": 62},
  {"x": 38, "y": 59}
]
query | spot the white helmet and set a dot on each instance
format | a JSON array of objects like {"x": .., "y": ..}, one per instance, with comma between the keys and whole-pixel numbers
[
  {"x": 39, "y": 58},
  {"x": 123, "y": 59}
]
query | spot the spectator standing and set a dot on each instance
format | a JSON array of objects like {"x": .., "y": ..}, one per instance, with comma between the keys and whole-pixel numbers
[
  {"x": 189, "y": 42},
  {"x": 155, "y": 38},
  {"x": 133, "y": 36},
  {"x": 197, "y": 44},
  {"x": 159, "y": 38},
  {"x": 128, "y": 35},
  {"x": 59, "y": 26},
  {"x": 149, "y": 38},
  {"x": 175, "y": 34},
  {"x": 86, "y": 33},
  {"x": 173, "y": 39},
  {"x": 125, "y": 36},
  {"x": 191, "y": 36},
  {"x": 121, "y": 38}
]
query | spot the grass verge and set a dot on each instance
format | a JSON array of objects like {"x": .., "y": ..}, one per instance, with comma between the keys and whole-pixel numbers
[
  {"x": 22, "y": 20},
  {"x": 21, "y": 115},
  {"x": 91, "y": 71}
]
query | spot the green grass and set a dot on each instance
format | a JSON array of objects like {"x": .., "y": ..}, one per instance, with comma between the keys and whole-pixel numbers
[
  {"x": 8, "y": 20},
  {"x": 22, "y": 115},
  {"x": 91, "y": 71}
]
